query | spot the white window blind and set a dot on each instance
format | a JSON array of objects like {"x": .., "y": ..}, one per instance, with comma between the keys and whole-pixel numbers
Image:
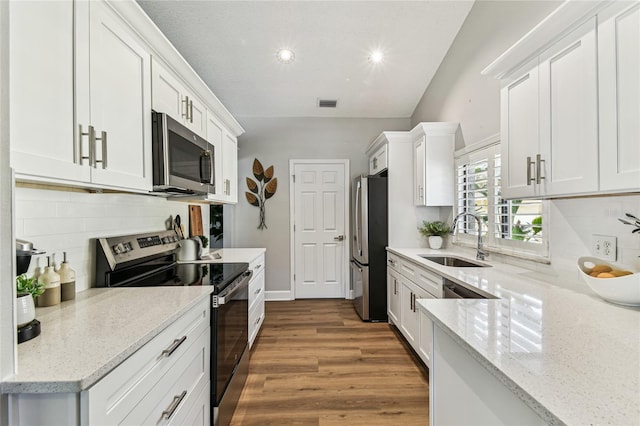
[{"x": 514, "y": 226}]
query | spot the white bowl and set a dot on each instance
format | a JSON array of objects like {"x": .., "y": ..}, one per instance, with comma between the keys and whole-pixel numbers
[{"x": 621, "y": 290}]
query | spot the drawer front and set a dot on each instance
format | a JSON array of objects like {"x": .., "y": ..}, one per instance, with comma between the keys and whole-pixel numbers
[
  {"x": 256, "y": 288},
  {"x": 429, "y": 282},
  {"x": 257, "y": 264},
  {"x": 198, "y": 414},
  {"x": 407, "y": 269},
  {"x": 116, "y": 394},
  {"x": 256, "y": 318},
  {"x": 178, "y": 388}
]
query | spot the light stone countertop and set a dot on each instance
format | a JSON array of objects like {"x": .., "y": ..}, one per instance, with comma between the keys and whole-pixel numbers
[
  {"x": 572, "y": 357},
  {"x": 229, "y": 255},
  {"x": 84, "y": 339}
]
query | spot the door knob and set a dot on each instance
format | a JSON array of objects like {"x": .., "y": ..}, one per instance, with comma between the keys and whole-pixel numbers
[{"x": 339, "y": 238}]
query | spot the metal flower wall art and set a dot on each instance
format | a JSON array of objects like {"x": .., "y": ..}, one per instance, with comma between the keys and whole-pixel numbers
[{"x": 262, "y": 190}]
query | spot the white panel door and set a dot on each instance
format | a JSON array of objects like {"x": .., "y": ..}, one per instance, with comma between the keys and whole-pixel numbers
[
  {"x": 43, "y": 137},
  {"x": 167, "y": 93},
  {"x": 393, "y": 296},
  {"x": 319, "y": 229},
  {"x": 229, "y": 169},
  {"x": 409, "y": 319},
  {"x": 120, "y": 74},
  {"x": 569, "y": 114},
  {"x": 619, "y": 68},
  {"x": 519, "y": 130}
]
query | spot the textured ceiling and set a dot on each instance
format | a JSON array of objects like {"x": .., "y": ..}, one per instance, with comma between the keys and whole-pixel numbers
[{"x": 232, "y": 45}]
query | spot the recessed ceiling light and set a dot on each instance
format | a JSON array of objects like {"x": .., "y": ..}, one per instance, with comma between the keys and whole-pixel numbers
[
  {"x": 376, "y": 57},
  {"x": 286, "y": 56}
]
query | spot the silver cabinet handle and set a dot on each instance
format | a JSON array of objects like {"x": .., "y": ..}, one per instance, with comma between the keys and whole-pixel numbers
[
  {"x": 339, "y": 238},
  {"x": 539, "y": 162},
  {"x": 103, "y": 139},
  {"x": 92, "y": 146},
  {"x": 395, "y": 286},
  {"x": 80, "y": 154},
  {"x": 257, "y": 267},
  {"x": 172, "y": 348},
  {"x": 391, "y": 262},
  {"x": 529, "y": 177},
  {"x": 257, "y": 291},
  {"x": 185, "y": 112},
  {"x": 166, "y": 414},
  {"x": 191, "y": 110},
  {"x": 258, "y": 320}
]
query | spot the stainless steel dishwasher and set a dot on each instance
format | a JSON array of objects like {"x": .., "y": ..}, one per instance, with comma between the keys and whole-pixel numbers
[{"x": 454, "y": 290}]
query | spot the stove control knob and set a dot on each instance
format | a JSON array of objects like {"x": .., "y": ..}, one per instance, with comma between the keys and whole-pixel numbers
[{"x": 119, "y": 248}]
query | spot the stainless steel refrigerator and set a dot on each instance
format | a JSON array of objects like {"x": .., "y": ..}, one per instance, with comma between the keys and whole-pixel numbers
[{"x": 368, "y": 247}]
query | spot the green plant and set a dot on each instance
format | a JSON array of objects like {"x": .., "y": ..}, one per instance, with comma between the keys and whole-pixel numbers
[
  {"x": 205, "y": 240},
  {"x": 432, "y": 229},
  {"x": 25, "y": 284}
]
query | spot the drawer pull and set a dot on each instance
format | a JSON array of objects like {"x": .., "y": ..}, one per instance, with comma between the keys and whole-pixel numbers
[
  {"x": 258, "y": 319},
  {"x": 392, "y": 262},
  {"x": 257, "y": 267},
  {"x": 257, "y": 291},
  {"x": 176, "y": 343},
  {"x": 166, "y": 414}
]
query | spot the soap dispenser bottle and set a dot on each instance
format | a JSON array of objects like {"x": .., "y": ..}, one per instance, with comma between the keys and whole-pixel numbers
[
  {"x": 51, "y": 281},
  {"x": 67, "y": 280}
]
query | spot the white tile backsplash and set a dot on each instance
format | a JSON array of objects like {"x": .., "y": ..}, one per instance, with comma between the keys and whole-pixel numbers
[{"x": 58, "y": 221}]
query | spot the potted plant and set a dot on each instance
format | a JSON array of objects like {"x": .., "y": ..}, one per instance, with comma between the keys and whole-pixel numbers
[
  {"x": 27, "y": 290},
  {"x": 434, "y": 231}
]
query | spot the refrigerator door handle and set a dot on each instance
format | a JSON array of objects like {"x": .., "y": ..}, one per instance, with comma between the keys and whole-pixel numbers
[{"x": 358, "y": 232}]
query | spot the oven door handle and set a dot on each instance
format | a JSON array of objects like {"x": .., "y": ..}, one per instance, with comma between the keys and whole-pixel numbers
[{"x": 225, "y": 296}]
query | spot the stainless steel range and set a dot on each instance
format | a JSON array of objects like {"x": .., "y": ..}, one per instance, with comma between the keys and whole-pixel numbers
[{"x": 149, "y": 259}]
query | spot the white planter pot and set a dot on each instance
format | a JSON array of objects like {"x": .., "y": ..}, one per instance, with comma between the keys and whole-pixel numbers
[
  {"x": 435, "y": 242},
  {"x": 25, "y": 309}
]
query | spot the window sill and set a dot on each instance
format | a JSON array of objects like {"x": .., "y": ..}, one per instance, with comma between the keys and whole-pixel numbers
[{"x": 508, "y": 252}]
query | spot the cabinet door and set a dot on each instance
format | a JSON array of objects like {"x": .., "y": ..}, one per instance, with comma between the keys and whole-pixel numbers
[
  {"x": 519, "y": 132},
  {"x": 167, "y": 93},
  {"x": 230, "y": 168},
  {"x": 419, "y": 171},
  {"x": 426, "y": 330},
  {"x": 569, "y": 114},
  {"x": 44, "y": 140},
  {"x": 120, "y": 102},
  {"x": 394, "y": 299},
  {"x": 197, "y": 121},
  {"x": 215, "y": 133},
  {"x": 409, "y": 321},
  {"x": 619, "y": 68}
]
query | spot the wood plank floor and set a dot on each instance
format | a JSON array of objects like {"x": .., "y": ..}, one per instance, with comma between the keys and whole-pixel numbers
[{"x": 316, "y": 363}]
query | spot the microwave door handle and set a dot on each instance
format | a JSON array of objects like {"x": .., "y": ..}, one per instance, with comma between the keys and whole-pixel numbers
[
  {"x": 212, "y": 170},
  {"x": 204, "y": 168}
]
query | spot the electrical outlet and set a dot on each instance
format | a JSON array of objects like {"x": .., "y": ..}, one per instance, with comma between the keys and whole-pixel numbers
[{"x": 605, "y": 247}]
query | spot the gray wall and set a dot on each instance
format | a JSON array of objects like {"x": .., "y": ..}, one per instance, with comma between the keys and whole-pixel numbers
[
  {"x": 274, "y": 141},
  {"x": 458, "y": 92}
]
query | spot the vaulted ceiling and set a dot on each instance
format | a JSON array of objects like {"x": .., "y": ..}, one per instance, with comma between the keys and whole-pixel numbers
[{"x": 232, "y": 45}]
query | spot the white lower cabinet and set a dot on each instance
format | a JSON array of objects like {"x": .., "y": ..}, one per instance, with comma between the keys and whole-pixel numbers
[
  {"x": 161, "y": 383},
  {"x": 256, "y": 297},
  {"x": 407, "y": 283},
  {"x": 393, "y": 296}
]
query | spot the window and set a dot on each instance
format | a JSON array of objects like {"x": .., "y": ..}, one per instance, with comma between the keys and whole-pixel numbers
[{"x": 509, "y": 226}]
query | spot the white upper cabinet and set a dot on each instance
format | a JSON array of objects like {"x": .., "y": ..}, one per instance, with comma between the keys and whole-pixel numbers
[
  {"x": 119, "y": 71},
  {"x": 44, "y": 140},
  {"x": 619, "y": 70},
  {"x": 569, "y": 117},
  {"x": 378, "y": 160},
  {"x": 519, "y": 129},
  {"x": 433, "y": 169},
  {"x": 89, "y": 88},
  {"x": 549, "y": 121},
  {"x": 229, "y": 169},
  {"x": 171, "y": 97}
]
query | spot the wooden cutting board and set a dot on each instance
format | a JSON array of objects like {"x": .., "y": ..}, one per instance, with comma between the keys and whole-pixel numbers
[{"x": 195, "y": 221}]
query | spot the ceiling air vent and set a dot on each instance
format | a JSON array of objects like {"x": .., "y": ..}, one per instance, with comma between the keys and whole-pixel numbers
[{"x": 327, "y": 103}]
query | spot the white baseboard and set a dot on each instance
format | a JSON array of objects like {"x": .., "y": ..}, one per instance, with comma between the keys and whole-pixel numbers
[{"x": 278, "y": 295}]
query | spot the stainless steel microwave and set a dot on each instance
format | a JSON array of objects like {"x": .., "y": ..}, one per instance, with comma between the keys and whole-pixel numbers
[{"x": 183, "y": 162}]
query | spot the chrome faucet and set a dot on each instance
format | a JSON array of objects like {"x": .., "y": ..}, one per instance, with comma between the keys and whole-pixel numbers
[{"x": 480, "y": 254}]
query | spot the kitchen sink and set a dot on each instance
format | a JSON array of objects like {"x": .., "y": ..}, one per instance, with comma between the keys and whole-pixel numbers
[{"x": 457, "y": 262}]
